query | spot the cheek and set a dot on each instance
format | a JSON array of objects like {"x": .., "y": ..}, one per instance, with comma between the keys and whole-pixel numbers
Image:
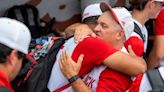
[
  {"x": 16, "y": 69},
  {"x": 109, "y": 33},
  {"x": 158, "y": 8},
  {"x": 18, "y": 66},
  {"x": 156, "y": 13}
]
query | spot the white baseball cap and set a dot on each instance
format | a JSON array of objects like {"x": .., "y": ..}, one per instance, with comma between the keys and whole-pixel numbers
[
  {"x": 122, "y": 16},
  {"x": 159, "y": 0},
  {"x": 14, "y": 34},
  {"x": 91, "y": 10}
]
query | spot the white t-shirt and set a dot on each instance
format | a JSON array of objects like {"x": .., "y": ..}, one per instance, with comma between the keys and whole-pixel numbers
[{"x": 144, "y": 32}]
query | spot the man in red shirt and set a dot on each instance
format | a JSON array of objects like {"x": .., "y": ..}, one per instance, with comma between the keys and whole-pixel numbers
[{"x": 15, "y": 38}]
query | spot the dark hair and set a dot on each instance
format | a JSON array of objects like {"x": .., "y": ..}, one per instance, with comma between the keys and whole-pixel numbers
[
  {"x": 90, "y": 19},
  {"x": 6, "y": 51},
  {"x": 138, "y": 4}
]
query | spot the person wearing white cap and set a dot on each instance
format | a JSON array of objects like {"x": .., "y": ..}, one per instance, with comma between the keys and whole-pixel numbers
[
  {"x": 89, "y": 17},
  {"x": 15, "y": 38},
  {"x": 142, "y": 83},
  {"x": 142, "y": 11},
  {"x": 117, "y": 25}
]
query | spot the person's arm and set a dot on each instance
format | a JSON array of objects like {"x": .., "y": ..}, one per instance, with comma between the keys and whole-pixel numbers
[
  {"x": 127, "y": 64},
  {"x": 70, "y": 69},
  {"x": 157, "y": 53},
  {"x": 70, "y": 30},
  {"x": 80, "y": 31}
]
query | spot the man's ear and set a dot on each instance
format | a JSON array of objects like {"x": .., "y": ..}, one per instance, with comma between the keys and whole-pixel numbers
[
  {"x": 120, "y": 34},
  {"x": 11, "y": 58}
]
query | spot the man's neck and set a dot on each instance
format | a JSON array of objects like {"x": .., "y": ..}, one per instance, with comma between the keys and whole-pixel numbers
[
  {"x": 119, "y": 45},
  {"x": 140, "y": 16},
  {"x": 5, "y": 70}
]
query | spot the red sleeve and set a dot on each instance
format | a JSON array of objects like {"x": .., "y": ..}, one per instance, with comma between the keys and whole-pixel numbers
[
  {"x": 136, "y": 84},
  {"x": 95, "y": 52},
  {"x": 159, "y": 23},
  {"x": 113, "y": 81},
  {"x": 137, "y": 45}
]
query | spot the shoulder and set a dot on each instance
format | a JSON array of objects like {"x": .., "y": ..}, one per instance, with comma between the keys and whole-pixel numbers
[
  {"x": 137, "y": 45},
  {"x": 96, "y": 43},
  {"x": 93, "y": 40},
  {"x": 159, "y": 24}
]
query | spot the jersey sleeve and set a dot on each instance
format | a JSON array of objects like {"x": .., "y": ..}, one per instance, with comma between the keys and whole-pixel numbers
[
  {"x": 113, "y": 81},
  {"x": 137, "y": 45},
  {"x": 95, "y": 51},
  {"x": 159, "y": 24}
]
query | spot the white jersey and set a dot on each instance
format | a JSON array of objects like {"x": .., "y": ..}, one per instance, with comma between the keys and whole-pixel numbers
[
  {"x": 58, "y": 76},
  {"x": 144, "y": 32}
]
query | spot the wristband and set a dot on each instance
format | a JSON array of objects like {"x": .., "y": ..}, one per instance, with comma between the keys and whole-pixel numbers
[{"x": 73, "y": 78}]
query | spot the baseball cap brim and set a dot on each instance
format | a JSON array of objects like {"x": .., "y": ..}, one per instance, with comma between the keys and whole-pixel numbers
[
  {"x": 106, "y": 7},
  {"x": 88, "y": 11},
  {"x": 162, "y": 1}
]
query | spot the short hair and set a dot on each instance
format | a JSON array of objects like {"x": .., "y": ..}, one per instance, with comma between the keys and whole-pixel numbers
[
  {"x": 117, "y": 27},
  {"x": 6, "y": 51},
  {"x": 138, "y": 4},
  {"x": 91, "y": 19}
]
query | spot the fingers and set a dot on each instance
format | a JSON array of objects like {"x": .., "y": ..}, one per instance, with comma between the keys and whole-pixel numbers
[
  {"x": 63, "y": 58},
  {"x": 81, "y": 32},
  {"x": 80, "y": 59},
  {"x": 76, "y": 36},
  {"x": 93, "y": 34},
  {"x": 61, "y": 62},
  {"x": 131, "y": 52}
]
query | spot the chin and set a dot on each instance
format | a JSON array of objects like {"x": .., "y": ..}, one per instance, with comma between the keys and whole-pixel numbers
[{"x": 153, "y": 17}]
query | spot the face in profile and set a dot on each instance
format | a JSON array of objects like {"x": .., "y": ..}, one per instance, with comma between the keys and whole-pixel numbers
[
  {"x": 107, "y": 28},
  {"x": 16, "y": 66}
]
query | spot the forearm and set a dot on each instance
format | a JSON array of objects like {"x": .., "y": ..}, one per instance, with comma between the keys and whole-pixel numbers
[
  {"x": 153, "y": 60},
  {"x": 70, "y": 30},
  {"x": 156, "y": 55},
  {"x": 126, "y": 64},
  {"x": 137, "y": 66},
  {"x": 141, "y": 66},
  {"x": 80, "y": 86}
]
